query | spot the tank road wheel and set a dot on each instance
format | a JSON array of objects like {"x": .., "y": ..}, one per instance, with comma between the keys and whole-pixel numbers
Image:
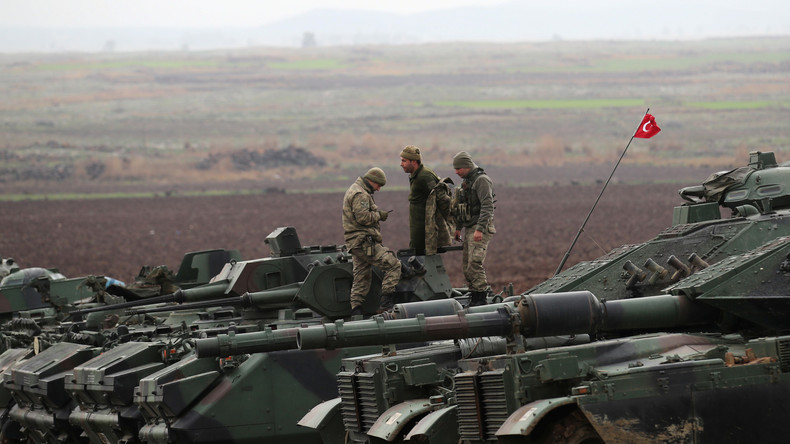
[
  {"x": 569, "y": 428},
  {"x": 11, "y": 433}
]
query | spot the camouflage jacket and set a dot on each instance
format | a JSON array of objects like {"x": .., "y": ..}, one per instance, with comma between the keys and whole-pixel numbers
[
  {"x": 475, "y": 202},
  {"x": 360, "y": 214},
  {"x": 439, "y": 222}
]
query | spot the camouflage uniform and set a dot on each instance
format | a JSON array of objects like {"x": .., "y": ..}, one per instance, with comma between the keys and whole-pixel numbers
[
  {"x": 475, "y": 211},
  {"x": 363, "y": 239},
  {"x": 421, "y": 183},
  {"x": 440, "y": 224}
]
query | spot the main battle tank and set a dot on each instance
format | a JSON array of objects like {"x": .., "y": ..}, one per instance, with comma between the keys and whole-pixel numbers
[
  {"x": 207, "y": 400},
  {"x": 668, "y": 385},
  {"x": 41, "y": 342},
  {"x": 756, "y": 195},
  {"x": 672, "y": 350},
  {"x": 36, "y": 302},
  {"x": 142, "y": 382}
]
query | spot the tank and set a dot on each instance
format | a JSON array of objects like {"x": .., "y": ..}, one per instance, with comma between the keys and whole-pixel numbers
[
  {"x": 224, "y": 377},
  {"x": 36, "y": 302},
  {"x": 41, "y": 342},
  {"x": 128, "y": 372},
  {"x": 687, "y": 342},
  {"x": 756, "y": 197}
]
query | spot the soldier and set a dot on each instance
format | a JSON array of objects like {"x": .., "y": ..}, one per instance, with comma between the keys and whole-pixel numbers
[
  {"x": 363, "y": 239},
  {"x": 475, "y": 213},
  {"x": 421, "y": 181}
]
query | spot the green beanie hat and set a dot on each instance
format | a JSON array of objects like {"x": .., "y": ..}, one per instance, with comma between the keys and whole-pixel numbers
[
  {"x": 411, "y": 152},
  {"x": 376, "y": 175},
  {"x": 463, "y": 160}
]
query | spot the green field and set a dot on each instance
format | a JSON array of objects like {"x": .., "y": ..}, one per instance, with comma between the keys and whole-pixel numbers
[{"x": 78, "y": 122}]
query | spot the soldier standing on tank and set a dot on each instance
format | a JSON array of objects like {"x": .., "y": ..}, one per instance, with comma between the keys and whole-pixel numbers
[
  {"x": 421, "y": 181},
  {"x": 361, "y": 219},
  {"x": 474, "y": 212}
]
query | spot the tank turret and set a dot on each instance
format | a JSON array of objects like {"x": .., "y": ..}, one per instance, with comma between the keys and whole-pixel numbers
[
  {"x": 128, "y": 371},
  {"x": 679, "y": 327},
  {"x": 757, "y": 199},
  {"x": 527, "y": 392}
]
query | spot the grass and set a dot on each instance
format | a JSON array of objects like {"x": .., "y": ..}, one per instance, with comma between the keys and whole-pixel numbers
[
  {"x": 122, "y": 64},
  {"x": 736, "y": 105},
  {"x": 308, "y": 65},
  {"x": 540, "y": 104},
  {"x": 510, "y": 104}
]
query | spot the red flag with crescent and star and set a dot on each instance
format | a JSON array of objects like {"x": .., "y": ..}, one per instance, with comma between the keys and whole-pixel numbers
[{"x": 647, "y": 128}]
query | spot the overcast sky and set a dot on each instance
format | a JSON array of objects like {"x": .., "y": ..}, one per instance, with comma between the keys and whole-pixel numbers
[
  {"x": 221, "y": 13},
  {"x": 194, "y": 13},
  {"x": 93, "y": 25}
]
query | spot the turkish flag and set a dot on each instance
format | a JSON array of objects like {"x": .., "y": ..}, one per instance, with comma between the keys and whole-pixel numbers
[{"x": 647, "y": 128}]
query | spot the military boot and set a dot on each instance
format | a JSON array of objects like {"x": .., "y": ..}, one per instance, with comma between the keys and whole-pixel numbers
[
  {"x": 356, "y": 311},
  {"x": 387, "y": 302},
  {"x": 477, "y": 298}
]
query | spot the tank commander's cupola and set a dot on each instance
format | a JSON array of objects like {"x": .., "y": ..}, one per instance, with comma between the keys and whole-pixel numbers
[{"x": 761, "y": 187}]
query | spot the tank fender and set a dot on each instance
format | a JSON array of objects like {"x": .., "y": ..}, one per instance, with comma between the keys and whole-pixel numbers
[
  {"x": 524, "y": 420},
  {"x": 319, "y": 416},
  {"x": 439, "y": 426},
  {"x": 392, "y": 421}
]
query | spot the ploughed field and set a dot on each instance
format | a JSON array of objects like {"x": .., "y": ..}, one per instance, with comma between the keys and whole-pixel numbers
[{"x": 115, "y": 237}]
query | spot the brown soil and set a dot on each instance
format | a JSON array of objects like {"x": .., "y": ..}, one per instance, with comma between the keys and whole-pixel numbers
[{"x": 115, "y": 237}]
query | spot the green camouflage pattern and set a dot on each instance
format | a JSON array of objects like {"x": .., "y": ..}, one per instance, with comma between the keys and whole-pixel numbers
[
  {"x": 686, "y": 342},
  {"x": 473, "y": 257},
  {"x": 475, "y": 201},
  {"x": 360, "y": 215},
  {"x": 129, "y": 372},
  {"x": 381, "y": 258},
  {"x": 439, "y": 219}
]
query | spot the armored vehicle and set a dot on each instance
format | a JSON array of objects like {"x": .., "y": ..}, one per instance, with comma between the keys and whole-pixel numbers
[
  {"x": 687, "y": 341},
  {"x": 140, "y": 380},
  {"x": 40, "y": 329}
]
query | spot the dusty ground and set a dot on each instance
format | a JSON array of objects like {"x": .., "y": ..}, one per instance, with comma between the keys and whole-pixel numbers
[{"x": 115, "y": 237}]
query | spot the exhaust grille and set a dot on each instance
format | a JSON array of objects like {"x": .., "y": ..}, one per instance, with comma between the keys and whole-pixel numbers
[
  {"x": 348, "y": 400},
  {"x": 466, "y": 397},
  {"x": 359, "y": 404},
  {"x": 784, "y": 354},
  {"x": 494, "y": 400},
  {"x": 482, "y": 404}
]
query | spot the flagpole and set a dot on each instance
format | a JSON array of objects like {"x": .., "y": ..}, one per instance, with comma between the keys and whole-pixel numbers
[{"x": 568, "y": 253}]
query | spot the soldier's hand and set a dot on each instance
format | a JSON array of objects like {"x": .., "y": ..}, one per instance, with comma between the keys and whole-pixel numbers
[
  {"x": 458, "y": 235},
  {"x": 383, "y": 215},
  {"x": 478, "y": 236}
]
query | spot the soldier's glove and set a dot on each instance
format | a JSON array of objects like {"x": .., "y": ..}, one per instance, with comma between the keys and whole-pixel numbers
[{"x": 383, "y": 215}]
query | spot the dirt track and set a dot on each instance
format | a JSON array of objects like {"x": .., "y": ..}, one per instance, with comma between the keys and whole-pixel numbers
[{"x": 535, "y": 226}]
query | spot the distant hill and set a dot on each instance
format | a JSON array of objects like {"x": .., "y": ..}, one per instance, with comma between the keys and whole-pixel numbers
[{"x": 539, "y": 20}]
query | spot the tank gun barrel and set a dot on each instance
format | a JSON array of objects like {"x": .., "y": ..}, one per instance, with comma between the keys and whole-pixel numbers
[
  {"x": 267, "y": 340},
  {"x": 534, "y": 316},
  {"x": 278, "y": 297},
  {"x": 379, "y": 331},
  {"x": 147, "y": 301},
  {"x": 204, "y": 292},
  {"x": 189, "y": 306},
  {"x": 272, "y": 340}
]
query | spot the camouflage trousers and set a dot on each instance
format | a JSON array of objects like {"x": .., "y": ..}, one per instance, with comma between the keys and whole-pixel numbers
[
  {"x": 472, "y": 262},
  {"x": 383, "y": 259}
]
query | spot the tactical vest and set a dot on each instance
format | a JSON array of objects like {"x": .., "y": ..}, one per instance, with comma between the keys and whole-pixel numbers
[{"x": 468, "y": 202}]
